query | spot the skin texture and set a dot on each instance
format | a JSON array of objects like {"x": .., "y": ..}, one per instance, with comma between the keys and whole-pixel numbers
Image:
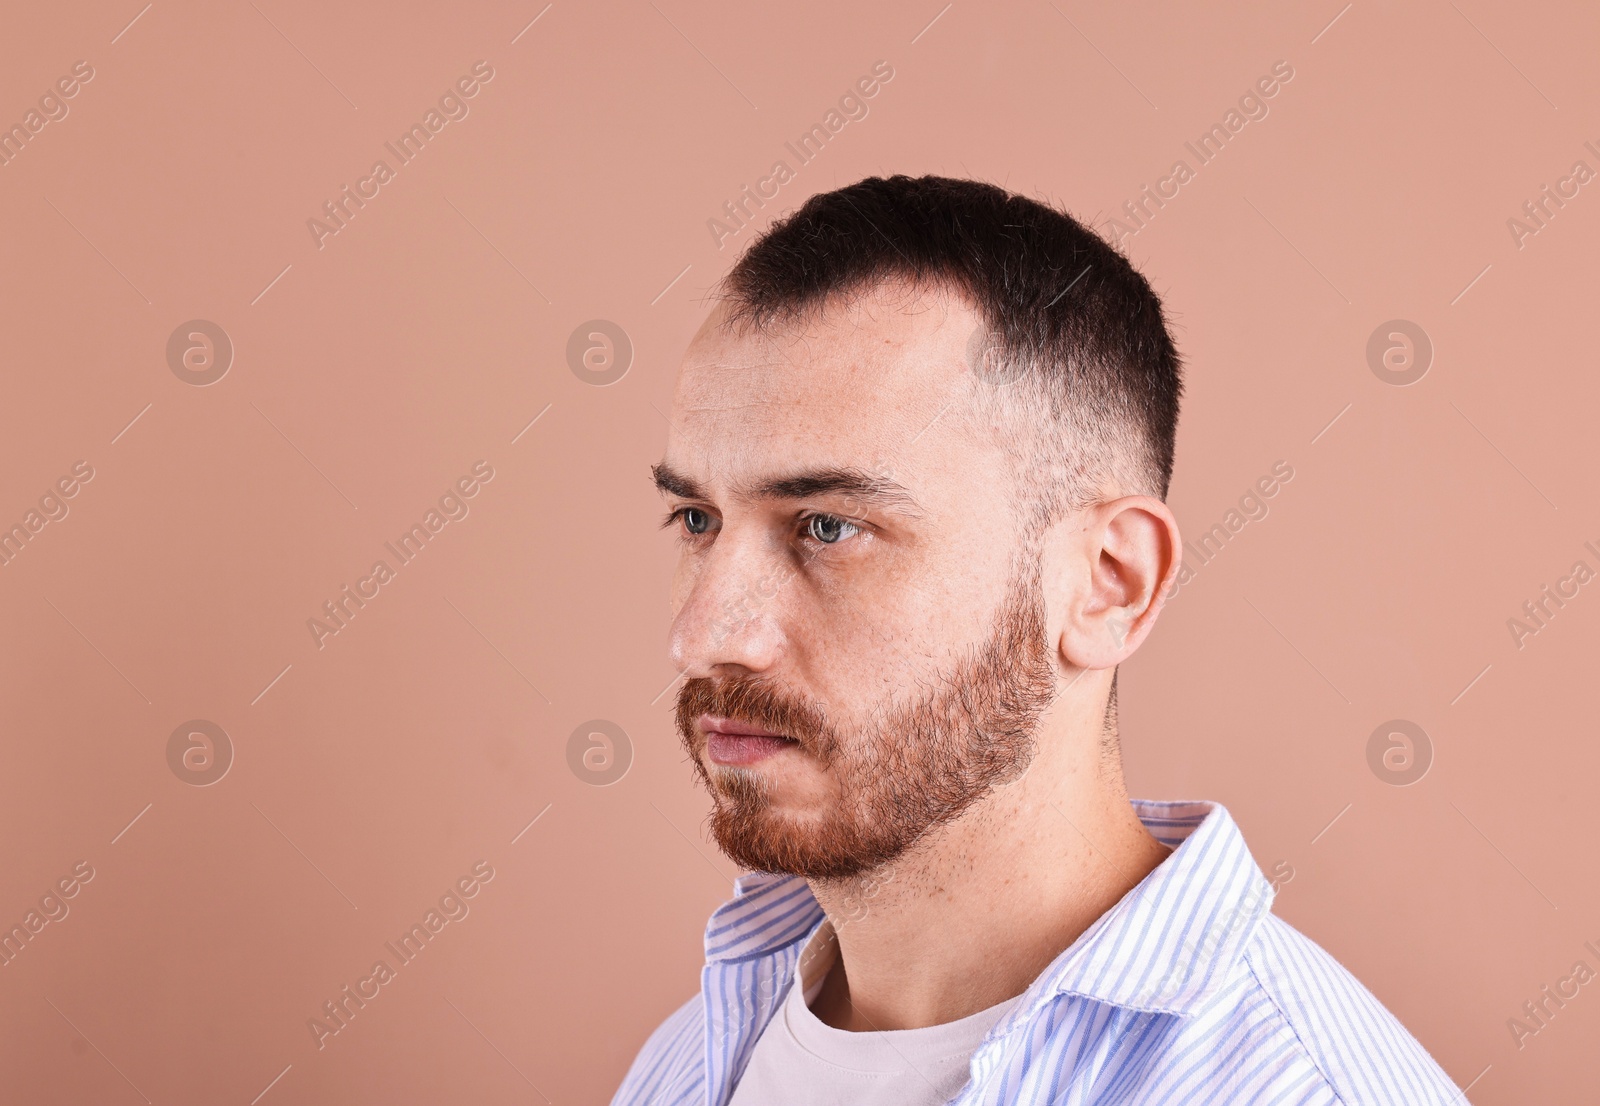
[{"x": 950, "y": 797}]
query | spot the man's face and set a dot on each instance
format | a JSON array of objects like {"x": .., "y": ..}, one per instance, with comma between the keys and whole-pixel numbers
[{"x": 851, "y": 579}]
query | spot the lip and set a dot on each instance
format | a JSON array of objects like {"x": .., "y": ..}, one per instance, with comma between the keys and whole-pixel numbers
[
  {"x": 739, "y": 743},
  {"x": 712, "y": 723}
]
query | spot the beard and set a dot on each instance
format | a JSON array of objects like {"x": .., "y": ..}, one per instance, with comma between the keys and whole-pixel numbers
[{"x": 914, "y": 767}]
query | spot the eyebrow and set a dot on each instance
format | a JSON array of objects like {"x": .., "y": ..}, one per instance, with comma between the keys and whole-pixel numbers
[{"x": 856, "y": 483}]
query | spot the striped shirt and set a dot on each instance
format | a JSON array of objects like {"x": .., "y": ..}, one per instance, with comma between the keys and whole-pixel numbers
[{"x": 1188, "y": 991}]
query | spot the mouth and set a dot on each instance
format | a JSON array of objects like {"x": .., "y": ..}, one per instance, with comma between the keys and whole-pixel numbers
[{"x": 736, "y": 743}]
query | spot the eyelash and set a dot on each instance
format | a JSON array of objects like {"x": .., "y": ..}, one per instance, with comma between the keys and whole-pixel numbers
[{"x": 675, "y": 517}]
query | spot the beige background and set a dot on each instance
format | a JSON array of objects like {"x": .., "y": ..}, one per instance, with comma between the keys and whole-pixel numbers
[{"x": 369, "y": 374}]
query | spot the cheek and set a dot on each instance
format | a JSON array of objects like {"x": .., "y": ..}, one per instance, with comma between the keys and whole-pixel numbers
[
  {"x": 881, "y": 640},
  {"x": 863, "y": 648}
]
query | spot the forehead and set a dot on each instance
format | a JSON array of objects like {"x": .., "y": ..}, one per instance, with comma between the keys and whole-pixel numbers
[{"x": 881, "y": 380}]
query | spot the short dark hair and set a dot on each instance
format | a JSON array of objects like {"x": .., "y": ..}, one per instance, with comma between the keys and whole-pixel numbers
[{"x": 1073, "y": 331}]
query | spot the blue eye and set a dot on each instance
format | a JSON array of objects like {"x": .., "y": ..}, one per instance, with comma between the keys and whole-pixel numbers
[
  {"x": 694, "y": 521},
  {"x": 829, "y": 529},
  {"x": 820, "y": 528}
]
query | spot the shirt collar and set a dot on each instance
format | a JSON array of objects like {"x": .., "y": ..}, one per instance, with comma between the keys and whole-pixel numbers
[
  {"x": 1170, "y": 943},
  {"x": 1167, "y": 946},
  {"x": 767, "y": 912}
]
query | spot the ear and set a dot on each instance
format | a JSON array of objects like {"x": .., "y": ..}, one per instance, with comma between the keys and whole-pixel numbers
[{"x": 1128, "y": 560}]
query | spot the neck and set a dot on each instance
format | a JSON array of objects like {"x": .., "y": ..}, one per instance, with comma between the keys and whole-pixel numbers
[{"x": 980, "y": 907}]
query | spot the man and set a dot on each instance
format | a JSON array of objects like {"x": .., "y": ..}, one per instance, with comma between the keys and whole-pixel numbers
[{"x": 917, "y": 465}]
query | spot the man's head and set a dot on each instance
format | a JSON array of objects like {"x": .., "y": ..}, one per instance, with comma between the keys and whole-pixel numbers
[{"x": 916, "y": 463}]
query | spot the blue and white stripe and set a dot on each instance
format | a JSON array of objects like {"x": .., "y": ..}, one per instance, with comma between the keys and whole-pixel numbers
[{"x": 1188, "y": 991}]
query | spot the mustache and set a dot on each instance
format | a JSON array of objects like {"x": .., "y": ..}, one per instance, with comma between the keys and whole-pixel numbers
[{"x": 756, "y": 703}]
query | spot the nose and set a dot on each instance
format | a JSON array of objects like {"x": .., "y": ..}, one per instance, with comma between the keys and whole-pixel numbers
[{"x": 730, "y": 622}]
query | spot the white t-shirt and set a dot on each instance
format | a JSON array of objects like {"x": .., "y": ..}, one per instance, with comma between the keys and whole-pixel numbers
[{"x": 801, "y": 1061}]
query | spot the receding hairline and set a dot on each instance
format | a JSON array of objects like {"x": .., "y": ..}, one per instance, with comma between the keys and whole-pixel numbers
[{"x": 735, "y": 317}]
